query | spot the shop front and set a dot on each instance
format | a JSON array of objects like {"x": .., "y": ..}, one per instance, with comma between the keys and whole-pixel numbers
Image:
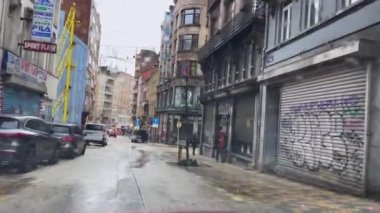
[
  {"x": 23, "y": 86},
  {"x": 322, "y": 128},
  {"x": 243, "y": 128},
  {"x": 216, "y": 116}
]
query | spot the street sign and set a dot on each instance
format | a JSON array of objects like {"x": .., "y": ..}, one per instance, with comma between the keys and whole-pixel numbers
[
  {"x": 43, "y": 16},
  {"x": 156, "y": 122},
  {"x": 138, "y": 123},
  {"x": 39, "y": 46},
  {"x": 179, "y": 124}
]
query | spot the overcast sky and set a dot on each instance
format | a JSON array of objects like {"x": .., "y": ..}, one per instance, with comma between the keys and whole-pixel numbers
[{"x": 129, "y": 25}]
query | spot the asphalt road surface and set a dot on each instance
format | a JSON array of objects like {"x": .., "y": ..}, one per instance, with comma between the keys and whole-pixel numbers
[{"x": 122, "y": 177}]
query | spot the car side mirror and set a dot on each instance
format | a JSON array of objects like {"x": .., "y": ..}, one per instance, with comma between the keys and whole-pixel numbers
[{"x": 51, "y": 131}]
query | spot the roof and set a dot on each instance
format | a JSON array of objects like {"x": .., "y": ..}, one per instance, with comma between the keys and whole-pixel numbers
[
  {"x": 60, "y": 124},
  {"x": 20, "y": 117}
]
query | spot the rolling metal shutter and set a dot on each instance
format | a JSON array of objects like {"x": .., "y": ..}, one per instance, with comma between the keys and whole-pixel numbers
[
  {"x": 20, "y": 101},
  {"x": 322, "y": 128}
]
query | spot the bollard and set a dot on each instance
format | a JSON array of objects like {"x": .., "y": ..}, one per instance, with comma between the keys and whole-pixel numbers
[{"x": 179, "y": 153}]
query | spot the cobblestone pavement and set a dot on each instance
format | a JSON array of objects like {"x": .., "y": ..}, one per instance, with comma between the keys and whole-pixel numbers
[{"x": 279, "y": 193}]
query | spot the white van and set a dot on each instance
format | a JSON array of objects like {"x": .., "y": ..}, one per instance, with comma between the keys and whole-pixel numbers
[{"x": 96, "y": 133}]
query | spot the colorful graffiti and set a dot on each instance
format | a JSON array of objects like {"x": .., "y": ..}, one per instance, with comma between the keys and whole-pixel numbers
[{"x": 326, "y": 134}]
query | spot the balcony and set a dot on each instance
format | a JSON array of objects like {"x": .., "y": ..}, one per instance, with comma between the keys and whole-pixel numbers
[
  {"x": 191, "y": 110},
  {"x": 211, "y": 3},
  {"x": 252, "y": 12}
]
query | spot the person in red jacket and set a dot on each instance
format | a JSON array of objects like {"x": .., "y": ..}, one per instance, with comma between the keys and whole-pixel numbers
[{"x": 221, "y": 145}]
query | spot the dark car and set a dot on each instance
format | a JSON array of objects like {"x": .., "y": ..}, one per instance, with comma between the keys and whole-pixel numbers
[
  {"x": 140, "y": 136},
  {"x": 71, "y": 139},
  {"x": 26, "y": 141}
]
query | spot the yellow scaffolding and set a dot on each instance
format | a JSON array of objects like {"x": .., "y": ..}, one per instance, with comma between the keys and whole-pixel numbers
[{"x": 63, "y": 60}]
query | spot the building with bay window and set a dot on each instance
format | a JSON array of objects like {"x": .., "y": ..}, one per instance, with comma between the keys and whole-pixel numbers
[
  {"x": 231, "y": 62},
  {"x": 181, "y": 76}
]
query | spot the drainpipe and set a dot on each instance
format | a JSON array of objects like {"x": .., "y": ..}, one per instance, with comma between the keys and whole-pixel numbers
[{"x": 368, "y": 138}]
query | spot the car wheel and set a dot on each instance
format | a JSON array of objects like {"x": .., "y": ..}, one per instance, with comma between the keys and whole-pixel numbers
[
  {"x": 84, "y": 150},
  {"x": 29, "y": 163},
  {"x": 55, "y": 157}
]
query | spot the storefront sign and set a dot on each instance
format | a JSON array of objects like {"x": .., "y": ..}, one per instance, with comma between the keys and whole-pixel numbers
[
  {"x": 224, "y": 109},
  {"x": 43, "y": 16},
  {"x": 13, "y": 64},
  {"x": 38, "y": 46}
]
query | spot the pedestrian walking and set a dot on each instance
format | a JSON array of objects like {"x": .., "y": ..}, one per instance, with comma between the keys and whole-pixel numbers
[
  {"x": 221, "y": 146},
  {"x": 194, "y": 143}
]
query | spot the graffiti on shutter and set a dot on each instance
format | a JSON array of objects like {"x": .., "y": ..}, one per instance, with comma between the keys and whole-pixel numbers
[{"x": 322, "y": 127}]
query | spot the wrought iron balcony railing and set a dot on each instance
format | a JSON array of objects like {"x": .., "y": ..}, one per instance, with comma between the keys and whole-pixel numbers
[{"x": 255, "y": 11}]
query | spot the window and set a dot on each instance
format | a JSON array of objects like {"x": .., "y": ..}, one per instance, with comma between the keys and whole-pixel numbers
[
  {"x": 346, "y": 3},
  {"x": 228, "y": 70},
  {"x": 77, "y": 130},
  {"x": 238, "y": 67},
  {"x": 230, "y": 13},
  {"x": 8, "y": 123},
  {"x": 191, "y": 17},
  {"x": 285, "y": 22},
  {"x": 187, "y": 68},
  {"x": 188, "y": 42},
  {"x": 61, "y": 129},
  {"x": 32, "y": 124},
  {"x": 37, "y": 125},
  {"x": 252, "y": 61},
  {"x": 95, "y": 127},
  {"x": 213, "y": 25},
  {"x": 179, "y": 100},
  {"x": 311, "y": 16},
  {"x": 244, "y": 63}
]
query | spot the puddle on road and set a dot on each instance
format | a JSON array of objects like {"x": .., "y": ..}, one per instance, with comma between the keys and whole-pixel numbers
[
  {"x": 141, "y": 160},
  {"x": 8, "y": 186}
]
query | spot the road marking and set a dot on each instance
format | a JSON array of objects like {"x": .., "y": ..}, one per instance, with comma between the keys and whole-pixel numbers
[{"x": 237, "y": 198}]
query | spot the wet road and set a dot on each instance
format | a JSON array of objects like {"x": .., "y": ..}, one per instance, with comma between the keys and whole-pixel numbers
[{"x": 121, "y": 177}]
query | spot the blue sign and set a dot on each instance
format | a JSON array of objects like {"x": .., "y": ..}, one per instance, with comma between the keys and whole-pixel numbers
[
  {"x": 43, "y": 17},
  {"x": 156, "y": 122},
  {"x": 137, "y": 123}
]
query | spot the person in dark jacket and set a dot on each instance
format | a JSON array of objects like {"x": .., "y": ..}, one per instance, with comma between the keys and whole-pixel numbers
[
  {"x": 221, "y": 145},
  {"x": 194, "y": 143}
]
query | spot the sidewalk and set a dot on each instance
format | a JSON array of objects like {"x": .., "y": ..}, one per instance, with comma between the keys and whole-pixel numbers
[{"x": 270, "y": 190}]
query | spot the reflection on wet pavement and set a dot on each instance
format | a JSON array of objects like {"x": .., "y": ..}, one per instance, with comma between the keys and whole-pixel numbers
[
  {"x": 12, "y": 184},
  {"x": 121, "y": 177}
]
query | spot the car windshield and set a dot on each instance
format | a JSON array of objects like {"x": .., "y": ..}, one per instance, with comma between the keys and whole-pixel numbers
[
  {"x": 8, "y": 123},
  {"x": 94, "y": 127},
  {"x": 61, "y": 129}
]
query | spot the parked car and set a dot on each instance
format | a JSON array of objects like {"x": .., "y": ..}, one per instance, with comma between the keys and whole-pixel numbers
[
  {"x": 26, "y": 141},
  {"x": 71, "y": 139},
  {"x": 96, "y": 133},
  {"x": 140, "y": 136}
]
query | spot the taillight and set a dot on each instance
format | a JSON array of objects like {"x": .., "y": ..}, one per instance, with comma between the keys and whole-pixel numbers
[
  {"x": 13, "y": 135},
  {"x": 68, "y": 139}
]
